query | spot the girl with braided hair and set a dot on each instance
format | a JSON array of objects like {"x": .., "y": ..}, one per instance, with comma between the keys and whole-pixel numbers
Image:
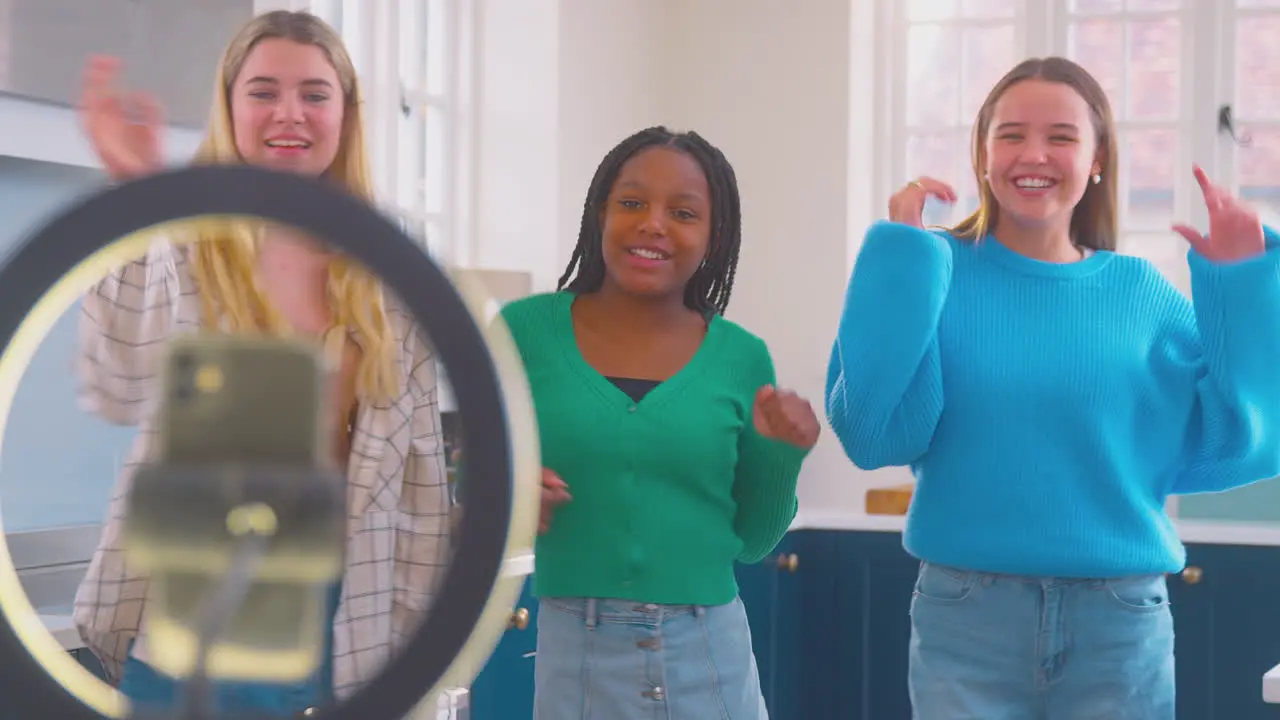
[{"x": 669, "y": 453}]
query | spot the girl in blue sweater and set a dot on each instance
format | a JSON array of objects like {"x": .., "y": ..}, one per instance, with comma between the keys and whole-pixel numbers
[{"x": 1049, "y": 395}]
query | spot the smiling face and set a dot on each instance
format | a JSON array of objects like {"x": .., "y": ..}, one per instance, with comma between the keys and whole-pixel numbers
[
  {"x": 656, "y": 223},
  {"x": 1041, "y": 150},
  {"x": 287, "y": 108}
]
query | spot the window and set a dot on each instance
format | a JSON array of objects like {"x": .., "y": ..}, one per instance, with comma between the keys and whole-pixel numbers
[
  {"x": 954, "y": 52},
  {"x": 409, "y": 56},
  {"x": 1135, "y": 52},
  {"x": 1156, "y": 60},
  {"x": 6, "y": 42},
  {"x": 1253, "y": 88}
]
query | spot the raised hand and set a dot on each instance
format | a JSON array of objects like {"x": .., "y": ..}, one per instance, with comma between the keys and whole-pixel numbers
[
  {"x": 907, "y": 205},
  {"x": 783, "y": 415},
  {"x": 554, "y": 494},
  {"x": 125, "y": 130},
  {"x": 1235, "y": 230}
]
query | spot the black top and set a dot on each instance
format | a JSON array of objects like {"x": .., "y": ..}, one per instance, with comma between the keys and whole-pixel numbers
[{"x": 635, "y": 387}]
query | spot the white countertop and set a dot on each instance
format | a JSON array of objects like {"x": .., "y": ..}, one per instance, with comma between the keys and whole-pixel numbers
[
  {"x": 1271, "y": 685},
  {"x": 1190, "y": 531},
  {"x": 63, "y": 630}
]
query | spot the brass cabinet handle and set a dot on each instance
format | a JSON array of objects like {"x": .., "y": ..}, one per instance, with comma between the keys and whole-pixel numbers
[
  {"x": 788, "y": 562},
  {"x": 1192, "y": 575},
  {"x": 519, "y": 620}
]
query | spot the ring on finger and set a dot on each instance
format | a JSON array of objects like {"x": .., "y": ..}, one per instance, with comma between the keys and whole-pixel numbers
[{"x": 916, "y": 184}]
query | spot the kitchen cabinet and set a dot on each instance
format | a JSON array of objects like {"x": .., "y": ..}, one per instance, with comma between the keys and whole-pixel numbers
[
  {"x": 1227, "y": 621},
  {"x": 855, "y": 628},
  {"x": 771, "y": 593},
  {"x": 504, "y": 688},
  {"x": 171, "y": 48},
  {"x": 830, "y": 633},
  {"x": 829, "y": 618}
]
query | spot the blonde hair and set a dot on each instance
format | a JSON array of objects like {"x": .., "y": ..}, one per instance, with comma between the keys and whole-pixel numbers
[
  {"x": 225, "y": 250},
  {"x": 1094, "y": 221}
]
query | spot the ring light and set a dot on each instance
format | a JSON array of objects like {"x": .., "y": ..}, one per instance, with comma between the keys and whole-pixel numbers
[{"x": 474, "y": 601}]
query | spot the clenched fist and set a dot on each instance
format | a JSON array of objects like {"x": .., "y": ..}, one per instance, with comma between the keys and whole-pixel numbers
[
  {"x": 782, "y": 415},
  {"x": 554, "y": 494}
]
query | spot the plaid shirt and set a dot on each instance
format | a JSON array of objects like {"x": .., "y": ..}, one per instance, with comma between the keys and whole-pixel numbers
[{"x": 398, "y": 498}]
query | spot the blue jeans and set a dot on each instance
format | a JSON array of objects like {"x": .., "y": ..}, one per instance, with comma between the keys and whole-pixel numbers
[
  {"x": 1001, "y": 647},
  {"x": 150, "y": 689},
  {"x": 619, "y": 660}
]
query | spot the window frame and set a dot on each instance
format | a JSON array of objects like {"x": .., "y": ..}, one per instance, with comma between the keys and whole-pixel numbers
[
  {"x": 1207, "y": 69},
  {"x": 371, "y": 31},
  {"x": 1208, "y": 74}
]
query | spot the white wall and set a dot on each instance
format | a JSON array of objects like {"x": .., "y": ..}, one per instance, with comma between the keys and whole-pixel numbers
[
  {"x": 52, "y": 133},
  {"x": 561, "y": 82},
  {"x": 770, "y": 85}
]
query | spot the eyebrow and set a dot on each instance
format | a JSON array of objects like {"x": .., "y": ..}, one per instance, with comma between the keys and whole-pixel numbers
[
  {"x": 1017, "y": 125},
  {"x": 633, "y": 185},
  {"x": 274, "y": 81}
]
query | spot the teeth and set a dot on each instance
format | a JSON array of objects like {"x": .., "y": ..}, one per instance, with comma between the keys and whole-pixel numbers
[
  {"x": 286, "y": 143},
  {"x": 1034, "y": 183},
  {"x": 648, "y": 254}
]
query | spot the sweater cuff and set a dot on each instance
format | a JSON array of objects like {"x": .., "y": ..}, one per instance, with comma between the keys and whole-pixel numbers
[
  {"x": 766, "y": 457},
  {"x": 1237, "y": 306}
]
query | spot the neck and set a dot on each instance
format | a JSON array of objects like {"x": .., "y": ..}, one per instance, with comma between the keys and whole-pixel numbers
[
  {"x": 637, "y": 312},
  {"x": 296, "y": 261},
  {"x": 1049, "y": 243}
]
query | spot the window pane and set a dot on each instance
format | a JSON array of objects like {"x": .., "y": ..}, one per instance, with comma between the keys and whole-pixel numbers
[
  {"x": 353, "y": 35},
  {"x": 1154, "y": 76},
  {"x": 412, "y": 144},
  {"x": 1257, "y": 75},
  {"x": 931, "y": 9},
  {"x": 988, "y": 8},
  {"x": 413, "y": 32},
  {"x": 1153, "y": 5},
  {"x": 415, "y": 228},
  {"x": 1094, "y": 7},
  {"x": 1166, "y": 250},
  {"x": 1148, "y": 187},
  {"x": 941, "y": 155},
  {"x": 437, "y": 65},
  {"x": 933, "y": 95},
  {"x": 328, "y": 10},
  {"x": 435, "y": 160},
  {"x": 1258, "y": 177},
  {"x": 436, "y": 242},
  {"x": 1098, "y": 45},
  {"x": 966, "y": 185},
  {"x": 988, "y": 55}
]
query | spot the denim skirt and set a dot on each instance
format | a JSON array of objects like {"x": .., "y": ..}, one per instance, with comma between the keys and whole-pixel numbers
[{"x": 623, "y": 660}]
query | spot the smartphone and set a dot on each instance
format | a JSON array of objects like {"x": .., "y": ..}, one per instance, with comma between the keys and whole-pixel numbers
[{"x": 240, "y": 424}]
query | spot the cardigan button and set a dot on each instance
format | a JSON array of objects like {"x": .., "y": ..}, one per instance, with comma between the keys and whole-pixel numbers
[{"x": 631, "y": 409}]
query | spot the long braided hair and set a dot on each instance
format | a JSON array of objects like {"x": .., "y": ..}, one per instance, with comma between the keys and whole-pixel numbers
[{"x": 708, "y": 290}]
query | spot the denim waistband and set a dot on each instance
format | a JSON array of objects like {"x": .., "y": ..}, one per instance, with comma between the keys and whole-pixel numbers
[
  {"x": 988, "y": 578},
  {"x": 605, "y": 610}
]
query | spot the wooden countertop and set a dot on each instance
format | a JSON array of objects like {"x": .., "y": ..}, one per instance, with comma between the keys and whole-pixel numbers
[{"x": 893, "y": 500}]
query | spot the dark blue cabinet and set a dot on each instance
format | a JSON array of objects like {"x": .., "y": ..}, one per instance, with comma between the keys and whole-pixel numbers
[
  {"x": 1226, "y": 611},
  {"x": 504, "y": 689},
  {"x": 831, "y": 636},
  {"x": 830, "y": 625},
  {"x": 771, "y": 592}
]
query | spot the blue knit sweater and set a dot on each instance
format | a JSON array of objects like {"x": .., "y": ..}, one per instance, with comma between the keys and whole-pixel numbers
[{"x": 1047, "y": 410}]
